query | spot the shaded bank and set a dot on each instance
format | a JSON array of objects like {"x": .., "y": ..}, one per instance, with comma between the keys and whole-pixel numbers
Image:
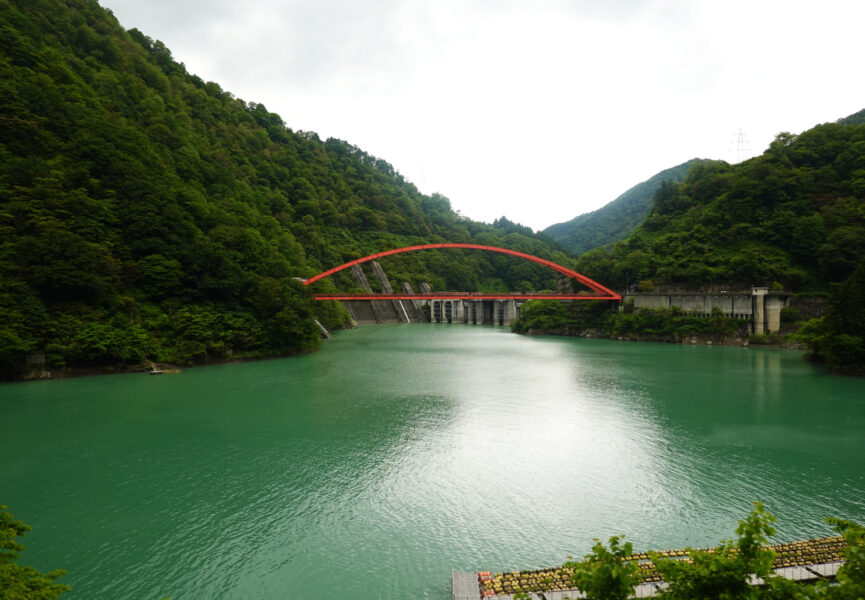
[{"x": 597, "y": 320}]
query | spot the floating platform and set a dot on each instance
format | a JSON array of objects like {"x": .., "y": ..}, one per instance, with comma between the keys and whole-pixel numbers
[
  {"x": 466, "y": 585},
  {"x": 163, "y": 371},
  {"x": 803, "y": 561}
]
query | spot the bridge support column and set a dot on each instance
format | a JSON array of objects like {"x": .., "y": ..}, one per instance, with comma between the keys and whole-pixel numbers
[
  {"x": 758, "y": 299},
  {"x": 510, "y": 312},
  {"x": 458, "y": 311},
  {"x": 472, "y": 312},
  {"x": 774, "y": 304}
]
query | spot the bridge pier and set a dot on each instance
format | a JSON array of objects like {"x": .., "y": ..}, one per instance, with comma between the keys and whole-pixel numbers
[
  {"x": 447, "y": 311},
  {"x": 474, "y": 312}
]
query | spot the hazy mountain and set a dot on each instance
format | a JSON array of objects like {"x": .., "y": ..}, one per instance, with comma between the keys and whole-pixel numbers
[{"x": 616, "y": 220}]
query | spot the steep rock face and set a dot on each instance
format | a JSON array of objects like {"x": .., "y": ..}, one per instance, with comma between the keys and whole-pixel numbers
[
  {"x": 148, "y": 214},
  {"x": 615, "y": 221}
]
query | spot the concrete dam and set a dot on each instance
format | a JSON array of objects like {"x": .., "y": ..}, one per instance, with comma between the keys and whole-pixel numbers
[
  {"x": 445, "y": 310},
  {"x": 758, "y": 305}
]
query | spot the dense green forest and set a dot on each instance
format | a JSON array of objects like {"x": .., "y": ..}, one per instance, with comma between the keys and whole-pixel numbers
[
  {"x": 616, "y": 220},
  {"x": 794, "y": 215},
  {"x": 792, "y": 218},
  {"x": 838, "y": 338},
  {"x": 597, "y": 319},
  {"x": 146, "y": 214}
]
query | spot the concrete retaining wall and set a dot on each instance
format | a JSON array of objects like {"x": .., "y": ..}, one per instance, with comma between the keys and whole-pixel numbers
[{"x": 758, "y": 305}]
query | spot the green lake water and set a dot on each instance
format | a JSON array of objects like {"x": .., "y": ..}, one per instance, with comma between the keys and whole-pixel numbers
[{"x": 396, "y": 454}]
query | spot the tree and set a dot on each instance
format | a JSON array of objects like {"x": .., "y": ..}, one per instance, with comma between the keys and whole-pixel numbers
[
  {"x": 604, "y": 575},
  {"x": 17, "y": 582},
  {"x": 839, "y": 337},
  {"x": 725, "y": 571},
  {"x": 851, "y": 575}
]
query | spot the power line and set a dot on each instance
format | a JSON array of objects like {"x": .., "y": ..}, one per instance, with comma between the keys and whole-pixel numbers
[{"x": 740, "y": 149}]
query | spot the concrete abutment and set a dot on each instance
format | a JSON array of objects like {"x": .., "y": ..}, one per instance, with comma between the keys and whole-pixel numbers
[{"x": 759, "y": 306}]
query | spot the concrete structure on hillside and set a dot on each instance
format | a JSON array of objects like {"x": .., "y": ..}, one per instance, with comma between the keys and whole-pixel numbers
[
  {"x": 476, "y": 312},
  {"x": 759, "y": 306},
  {"x": 379, "y": 311}
]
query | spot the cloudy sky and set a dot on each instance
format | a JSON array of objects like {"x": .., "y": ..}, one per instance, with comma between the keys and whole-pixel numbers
[{"x": 537, "y": 110}]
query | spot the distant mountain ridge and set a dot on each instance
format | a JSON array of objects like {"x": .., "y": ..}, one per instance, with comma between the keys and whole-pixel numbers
[
  {"x": 792, "y": 218},
  {"x": 854, "y": 119},
  {"x": 615, "y": 221}
]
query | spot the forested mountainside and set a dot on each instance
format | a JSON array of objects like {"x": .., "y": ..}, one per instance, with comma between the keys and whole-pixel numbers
[
  {"x": 146, "y": 214},
  {"x": 794, "y": 216},
  {"x": 615, "y": 221},
  {"x": 854, "y": 119}
]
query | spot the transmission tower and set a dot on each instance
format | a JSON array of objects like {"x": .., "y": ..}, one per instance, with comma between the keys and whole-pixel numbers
[{"x": 740, "y": 149}]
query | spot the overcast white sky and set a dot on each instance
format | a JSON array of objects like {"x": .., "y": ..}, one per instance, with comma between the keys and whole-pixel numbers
[{"x": 536, "y": 110}]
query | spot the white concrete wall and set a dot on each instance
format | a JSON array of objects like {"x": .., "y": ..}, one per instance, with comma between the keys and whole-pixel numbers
[{"x": 758, "y": 305}]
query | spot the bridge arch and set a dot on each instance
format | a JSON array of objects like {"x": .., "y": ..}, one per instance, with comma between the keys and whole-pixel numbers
[{"x": 589, "y": 283}]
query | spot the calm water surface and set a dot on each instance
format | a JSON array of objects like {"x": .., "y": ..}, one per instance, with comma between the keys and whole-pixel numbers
[{"x": 374, "y": 467}]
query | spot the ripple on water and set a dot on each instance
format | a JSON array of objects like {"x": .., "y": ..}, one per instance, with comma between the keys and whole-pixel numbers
[{"x": 373, "y": 468}]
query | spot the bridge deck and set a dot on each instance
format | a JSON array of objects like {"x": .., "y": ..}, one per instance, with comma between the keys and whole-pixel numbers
[{"x": 461, "y": 296}]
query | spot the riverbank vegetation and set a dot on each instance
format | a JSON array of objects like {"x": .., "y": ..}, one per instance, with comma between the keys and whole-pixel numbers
[
  {"x": 146, "y": 214},
  {"x": 597, "y": 319},
  {"x": 792, "y": 218},
  {"x": 725, "y": 571},
  {"x": 838, "y": 338}
]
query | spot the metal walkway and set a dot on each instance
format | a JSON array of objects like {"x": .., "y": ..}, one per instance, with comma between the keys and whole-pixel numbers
[{"x": 466, "y": 586}]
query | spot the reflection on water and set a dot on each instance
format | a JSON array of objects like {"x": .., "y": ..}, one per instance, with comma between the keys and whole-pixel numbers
[{"x": 373, "y": 468}]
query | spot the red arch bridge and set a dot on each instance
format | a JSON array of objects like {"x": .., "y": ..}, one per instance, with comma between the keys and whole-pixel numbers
[{"x": 442, "y": 303}]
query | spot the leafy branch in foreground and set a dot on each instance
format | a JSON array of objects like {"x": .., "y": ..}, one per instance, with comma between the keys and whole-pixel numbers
[
  {"x": 740, "y": 569},
  {"x": 17, "y": 582},
  {"x": 723, "y": 572},
  {"x": 604, "y": 573},
  {"x": 851, "y": 576}
]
